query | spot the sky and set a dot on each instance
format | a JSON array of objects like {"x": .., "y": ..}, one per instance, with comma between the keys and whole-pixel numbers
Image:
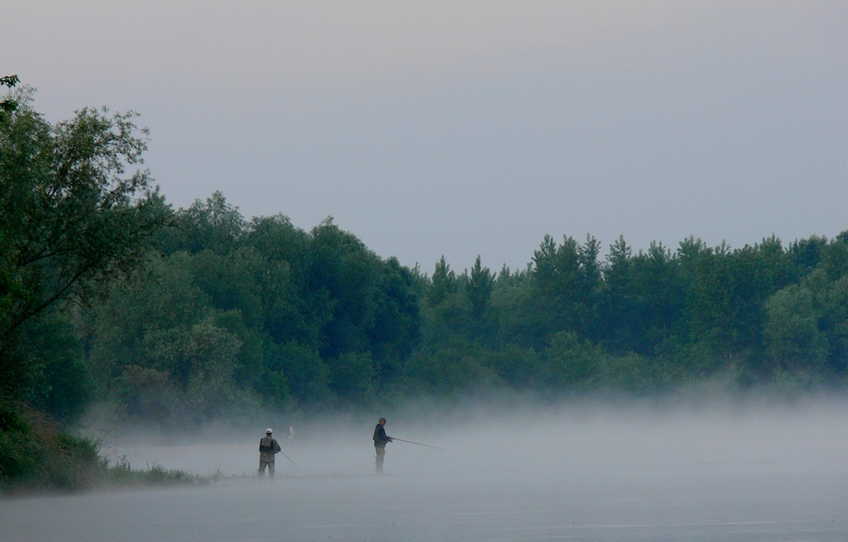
[{"x": 470, "y": 128}]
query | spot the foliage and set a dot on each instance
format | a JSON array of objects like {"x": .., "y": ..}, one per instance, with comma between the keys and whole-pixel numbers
[
  {"x": 59, "y": 382},
  {"x": 33, "y": 453},
  {"x": 36, "y": 455},
  {"x": 321, "y": 322},
  {"x": 72, "y": 217}
]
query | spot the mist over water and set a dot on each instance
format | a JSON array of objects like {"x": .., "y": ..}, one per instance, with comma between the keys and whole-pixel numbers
[
  {"x": 719, "y": 469},
  {"x": 489, "y": 438}
]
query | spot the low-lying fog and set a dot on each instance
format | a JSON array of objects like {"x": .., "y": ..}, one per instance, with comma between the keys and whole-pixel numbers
[
  {"x": 568, "y": 438},
  {"x": 700, "y": 470}
]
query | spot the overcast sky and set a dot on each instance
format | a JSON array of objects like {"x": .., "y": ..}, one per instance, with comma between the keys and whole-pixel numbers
[{"x": 470, "y": 128}]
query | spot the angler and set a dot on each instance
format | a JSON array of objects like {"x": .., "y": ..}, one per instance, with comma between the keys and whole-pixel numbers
[
  {"x": 380, "y": 441},
  {"x": 268, "y": 447}
]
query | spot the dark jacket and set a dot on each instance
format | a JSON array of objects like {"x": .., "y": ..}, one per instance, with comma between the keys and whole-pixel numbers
[{"x": 380, "y": 437}]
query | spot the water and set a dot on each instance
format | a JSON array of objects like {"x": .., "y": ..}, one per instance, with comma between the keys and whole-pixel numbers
[
  {"x": 711, "y": 475},
  {"x": 775, "y": 502}
]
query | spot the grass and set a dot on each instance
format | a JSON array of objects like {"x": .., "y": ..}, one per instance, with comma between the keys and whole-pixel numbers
[
  {"x": 121, "y": 474},
  {"x": 36, "y": 455}
]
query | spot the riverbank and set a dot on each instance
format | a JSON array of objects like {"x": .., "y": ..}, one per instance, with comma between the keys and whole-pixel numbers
[{"x": 37, "y": 456}]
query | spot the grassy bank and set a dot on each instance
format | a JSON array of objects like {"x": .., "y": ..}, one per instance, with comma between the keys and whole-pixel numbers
[{"x": 36, "y": 455}]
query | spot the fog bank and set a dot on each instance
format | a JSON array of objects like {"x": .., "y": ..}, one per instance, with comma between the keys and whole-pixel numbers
[
  {"x": 522, "y": 439},
  {"x": 585, "y": 470}
]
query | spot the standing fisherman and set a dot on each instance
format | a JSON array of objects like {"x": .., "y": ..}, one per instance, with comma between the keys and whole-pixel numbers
[
  {"x": 380, "y": 441},
  {"x": 268, "y": 446}
]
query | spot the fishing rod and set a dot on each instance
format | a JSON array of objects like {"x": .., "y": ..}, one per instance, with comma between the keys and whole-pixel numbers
[
  {"x": 290, "y": 459},
  {"x": 418, "y": 443}
]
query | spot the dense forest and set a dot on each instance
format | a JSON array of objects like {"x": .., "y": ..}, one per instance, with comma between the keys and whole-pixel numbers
[{"x": 169, "y": 317}]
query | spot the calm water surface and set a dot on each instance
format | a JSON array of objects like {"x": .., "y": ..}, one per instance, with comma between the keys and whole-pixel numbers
[
  {"x": 774, "y": 502},
  {"x": 714, "y": 473}
]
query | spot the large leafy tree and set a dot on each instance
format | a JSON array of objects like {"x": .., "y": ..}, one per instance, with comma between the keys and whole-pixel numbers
[
  {"x": 76, "y": 209},
  {"x": 793, "y": 338}
]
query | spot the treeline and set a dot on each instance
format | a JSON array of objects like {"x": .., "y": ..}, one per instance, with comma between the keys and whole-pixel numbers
[
  {"x": 245, "y": 313},
  {"x": 235, "y": 315},
  {"x": 170, "y": 317}
]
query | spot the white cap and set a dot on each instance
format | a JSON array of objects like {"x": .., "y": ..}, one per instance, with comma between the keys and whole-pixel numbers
[{"x": 268, "y": 430}]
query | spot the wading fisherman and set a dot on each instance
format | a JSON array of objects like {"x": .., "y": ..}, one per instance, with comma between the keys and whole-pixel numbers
[
  {"x": 268, "y": 446},
  {"x": 380, "y": 441}
]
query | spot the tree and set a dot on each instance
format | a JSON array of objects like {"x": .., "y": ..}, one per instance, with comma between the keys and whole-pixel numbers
[
  {"x": 352, "y": 376},
  {"x": 453, "y": 366},
  {"x": 479, "y": 288},
  {"x": 346, "y": 276},
  {"x": 446, "y": 310},
  {"x": 397, "y": 321},
  {"x": 794, "y": 341},
  {"x": 163, "y": 300},
  {"x": 290, "y": 311},
  {"x": 806, "y": 254},
  {"x": 835, "y": 256},
  {"x": 619, "y": 303},
  {"x": 71, "y": 215},
  {"x": 659, "y": 293},
  {"x": 213, "y": 225},
  {"x": 61, "y": 386},
  {"x": 570, "y": 364},
  {"x": 556, "y": 288},
  {"x": 758, "y": 271},
  {"x": 712, "y": 304},
  {"x": 589, "y": 290},
  {"x": 443, "y": 284}
]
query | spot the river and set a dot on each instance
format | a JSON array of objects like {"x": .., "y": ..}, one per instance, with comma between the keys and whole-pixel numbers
[{"x": 758, "y": 475}]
